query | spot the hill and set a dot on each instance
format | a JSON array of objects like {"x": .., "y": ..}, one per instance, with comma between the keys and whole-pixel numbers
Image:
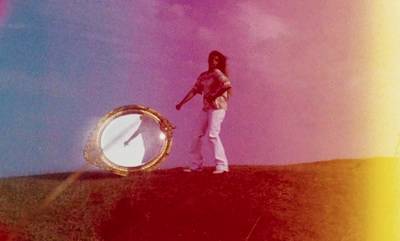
[{"x": 315, "y": 201}]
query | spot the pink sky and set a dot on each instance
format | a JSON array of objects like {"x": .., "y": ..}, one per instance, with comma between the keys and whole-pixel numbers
[
  {"x": 305, "y": 85},
  {"x": 300, "y": 76},
  {"x": 3, "y": 9}
]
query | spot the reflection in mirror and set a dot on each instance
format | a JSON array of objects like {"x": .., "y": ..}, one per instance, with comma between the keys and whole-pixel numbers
[{"x": 130, "y": 138}]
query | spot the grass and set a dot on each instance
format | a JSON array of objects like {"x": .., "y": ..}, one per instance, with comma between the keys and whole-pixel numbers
[{"x": 314, "y": 201}]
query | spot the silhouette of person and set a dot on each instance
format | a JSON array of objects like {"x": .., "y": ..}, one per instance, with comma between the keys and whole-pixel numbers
[{"x": 150, "y": 131}]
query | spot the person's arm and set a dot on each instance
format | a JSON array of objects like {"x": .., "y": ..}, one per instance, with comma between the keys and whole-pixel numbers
[
  {"x": 219, "y": 93},
  {"x": 188, "y": 97},
  {"x": 137, "y": 132},
  {"x": 223, "y": 85}
]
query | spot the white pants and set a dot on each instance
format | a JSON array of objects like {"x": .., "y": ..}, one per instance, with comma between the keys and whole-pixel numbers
[{"x": 208, "y": 122}]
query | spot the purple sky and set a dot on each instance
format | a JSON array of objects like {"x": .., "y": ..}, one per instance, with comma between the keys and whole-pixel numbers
[{"x": 301, "y": 75}]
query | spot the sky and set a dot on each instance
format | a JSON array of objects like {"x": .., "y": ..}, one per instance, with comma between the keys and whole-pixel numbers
[{"x": 312, "y": 80}]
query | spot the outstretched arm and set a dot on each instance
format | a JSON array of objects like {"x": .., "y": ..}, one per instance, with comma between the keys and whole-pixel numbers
[
  {"x": 137, "y": 132},
  {"x": 188, "y": 97}
]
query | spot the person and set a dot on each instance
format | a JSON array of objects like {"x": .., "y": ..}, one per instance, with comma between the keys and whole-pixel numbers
[{"x": 215, "y": 87}]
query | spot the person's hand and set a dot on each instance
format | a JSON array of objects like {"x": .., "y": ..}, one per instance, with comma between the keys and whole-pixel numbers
[
  {"x": 178, "y": 106},
  {"x": 126, "y": 143}
]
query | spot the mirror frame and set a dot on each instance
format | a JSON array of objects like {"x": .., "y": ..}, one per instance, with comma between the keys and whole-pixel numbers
[{"x": 94, "y": 154}]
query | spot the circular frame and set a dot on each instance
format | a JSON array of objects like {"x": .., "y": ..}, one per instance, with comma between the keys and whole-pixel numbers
[{"x": 94, "y": 153}]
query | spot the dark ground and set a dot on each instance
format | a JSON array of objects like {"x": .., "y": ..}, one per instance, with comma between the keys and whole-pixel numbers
[{"x": 315, "y": 201}]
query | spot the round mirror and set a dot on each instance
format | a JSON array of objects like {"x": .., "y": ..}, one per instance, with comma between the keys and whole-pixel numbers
[{"x": 130, "y": 138}]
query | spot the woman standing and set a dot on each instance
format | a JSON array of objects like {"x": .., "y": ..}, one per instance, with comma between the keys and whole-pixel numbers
[{"x": 215, "y": 87}]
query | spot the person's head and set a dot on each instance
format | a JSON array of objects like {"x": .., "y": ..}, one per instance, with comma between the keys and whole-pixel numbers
[{"x": 216, "y": 60}]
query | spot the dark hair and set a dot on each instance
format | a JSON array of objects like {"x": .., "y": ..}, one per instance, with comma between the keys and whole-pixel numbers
[
  {"x": 221, "y": 65},
  {"x": 222, "y": 61}
]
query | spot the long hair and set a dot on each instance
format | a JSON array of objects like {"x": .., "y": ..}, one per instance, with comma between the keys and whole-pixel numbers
[{"x": 222, "y": 65}]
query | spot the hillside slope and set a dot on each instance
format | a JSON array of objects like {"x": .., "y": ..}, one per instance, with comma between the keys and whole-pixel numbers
[{"x": 316, "y": 201}]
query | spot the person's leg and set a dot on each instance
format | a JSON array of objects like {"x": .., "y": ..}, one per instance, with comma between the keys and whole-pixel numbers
[
  {"x": 215, "y": 118},
  {"x": 199, "y": 130}
]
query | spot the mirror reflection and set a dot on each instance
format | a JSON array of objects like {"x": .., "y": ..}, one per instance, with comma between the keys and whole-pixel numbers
[
  {"x": 132, "y": 140},
  {"x": 128, "y": 139}
]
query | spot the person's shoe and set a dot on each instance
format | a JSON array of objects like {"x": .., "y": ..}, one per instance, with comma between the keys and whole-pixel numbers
[
  {"x": 188, "y": 170},
  {"x": 219, "y": 171}
]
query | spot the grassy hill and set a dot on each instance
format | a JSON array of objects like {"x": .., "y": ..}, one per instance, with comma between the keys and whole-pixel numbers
[{"x": 314, "y": 201}]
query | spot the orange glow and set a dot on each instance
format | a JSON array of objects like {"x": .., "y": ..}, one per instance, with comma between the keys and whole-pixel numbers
[{"x": 384, "y": 99}]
